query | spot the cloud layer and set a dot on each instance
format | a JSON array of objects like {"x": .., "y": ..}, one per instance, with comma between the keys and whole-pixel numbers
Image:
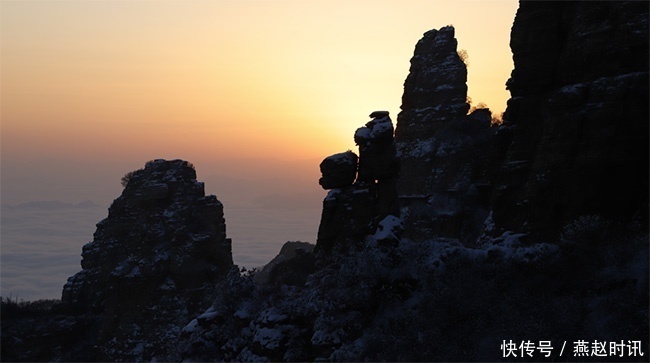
[{"x": 42, "y": 241}]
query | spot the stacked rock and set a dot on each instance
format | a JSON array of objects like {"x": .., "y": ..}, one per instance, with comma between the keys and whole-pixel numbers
[
  {"x": 378, "y": 161},
  {"x": 339, "y": 170},
  {"x": 362, "y": 188}
]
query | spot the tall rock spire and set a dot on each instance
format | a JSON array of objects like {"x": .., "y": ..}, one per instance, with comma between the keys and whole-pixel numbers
[
  {"x": 443, "y": 150},
  {"x": 435, "y": 89}
]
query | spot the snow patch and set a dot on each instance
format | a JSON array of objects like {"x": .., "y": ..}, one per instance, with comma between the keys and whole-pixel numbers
[
  {"x": 268, "y": 338},
  {"x": 381, "y": 128},
  {"x": 388, "y": 228},
  {"x": 192, "y": 327},
  {"x": 417, "y": 148},
  {"x": 322, "y": 337},
  {"x": 135, "y": 272},
  {"x": 272, "y": 315},
  {"x": 209, "y": 314},
  {"x": 488, "y": 224}
]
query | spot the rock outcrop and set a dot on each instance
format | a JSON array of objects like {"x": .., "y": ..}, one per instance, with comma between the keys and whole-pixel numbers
[
  {"x": 152, "y": 265},
  {"x": 375, "y": 304},
  {"x": 363, "y": 188},
  {"x": 348, "y": 215},
  {"x": 442, "y": 186},
  {"x": 338, "y": 170},
  {"x": 575, "y": 134},
  {"x": 436, "y": 87},
  {"x": 291, "y": 266}
]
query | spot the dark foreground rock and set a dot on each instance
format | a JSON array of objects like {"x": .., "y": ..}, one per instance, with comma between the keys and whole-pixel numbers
[
  {"x": 291, "y": 266},
  {"x": 363, "y": 189},
  {"x": 575, "y": 134},
  {"x": 442, "y": 186},
  {"x": 339, "y": 170},
  {"x": 151, "y": 267}
]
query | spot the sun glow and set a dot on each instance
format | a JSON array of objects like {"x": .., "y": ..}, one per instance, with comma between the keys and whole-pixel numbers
[
  {"x": 246, "y": 79},
  {"x": 253, "y": 93}
]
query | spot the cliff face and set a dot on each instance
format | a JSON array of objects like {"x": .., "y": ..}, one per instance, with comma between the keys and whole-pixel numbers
[
  {"x": 152, "y": 264},
  {"x": 443, "y": 150},
  {"x": 575, "y": 136}
]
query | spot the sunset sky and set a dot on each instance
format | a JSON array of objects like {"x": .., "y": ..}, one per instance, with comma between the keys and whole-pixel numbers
[
  {"x": 254, "y": 93},
  {"x": 135, "y": 80}
]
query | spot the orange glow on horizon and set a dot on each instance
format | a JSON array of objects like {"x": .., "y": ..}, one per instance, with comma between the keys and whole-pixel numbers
[{"x": 245, "y": 79}]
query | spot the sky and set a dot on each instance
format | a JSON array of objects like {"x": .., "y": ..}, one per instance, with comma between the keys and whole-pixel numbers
[{"x": 254, "y": 93}]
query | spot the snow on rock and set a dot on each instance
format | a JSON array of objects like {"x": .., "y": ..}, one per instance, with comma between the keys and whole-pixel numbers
[
  {"x": 571, "y": 106},
  {"x": 508, "y": 246},
  {"x": 382, "y": 127},
  {"x": 324, "y": 337},
  {"x": 488, "y": 224},
  {"x": 389, "y": 228},
  {"x": 191, "y": 327},
  {"x": 362, "y": 133},
  {"x": 417, "y": 148},
  {"x": 339, "y": 170},
  {"x": 272, "y": 316},
  {"x": 268, "y": 338},
  {"x": 152, "y": 264},
  {"x": 209, "y": 314},
  {"x": 443, "y": 150}
]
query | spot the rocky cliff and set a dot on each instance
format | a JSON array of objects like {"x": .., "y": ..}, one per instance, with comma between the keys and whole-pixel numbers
[
  {"x": 456, "y": 283},
  {"x": 575, "y": 134},
  {"x": 162, "y": 231},
  {"x": 443, "y": 149},
  {"x": 151, "y": 267}
]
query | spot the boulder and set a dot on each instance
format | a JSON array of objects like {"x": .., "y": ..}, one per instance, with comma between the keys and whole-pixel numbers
[{"x": 339, "y": 170}]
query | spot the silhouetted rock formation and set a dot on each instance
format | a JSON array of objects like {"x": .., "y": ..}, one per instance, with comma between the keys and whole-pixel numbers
[
  {"x": 431, "y": 284},
  {"x": 339, "y": 170},
  {"x": 435, "y": 298},
  {"x": 379, "y": 164},
  {"x": 575, "y": 135},
  {"x": 352, "y": 210},
  {"x": 348, "y": 215},
  {"x": 291, "y": 266},
  {"x": 152, "y": 264},
  {"x": 443, "y": 150},
  {"x": 435, "y": 89}
]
